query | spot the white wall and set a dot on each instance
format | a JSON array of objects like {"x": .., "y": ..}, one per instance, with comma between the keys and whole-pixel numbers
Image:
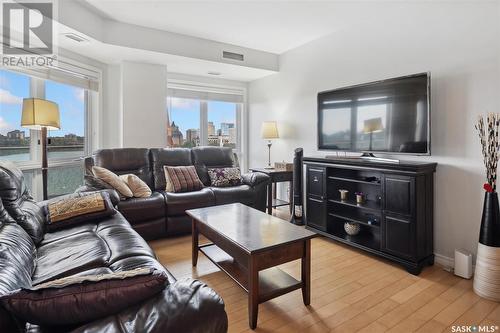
[
  {"x": 457, "y": 42},
  {"x": 134, "y": 113}
]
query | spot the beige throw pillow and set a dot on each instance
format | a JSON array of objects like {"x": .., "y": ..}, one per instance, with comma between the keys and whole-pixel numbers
[
  {"x": 112, "y": 179},
  {"x": 138, "y": 187}
]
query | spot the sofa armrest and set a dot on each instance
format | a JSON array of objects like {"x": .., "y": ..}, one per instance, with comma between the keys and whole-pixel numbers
[
  {"x": 254, "y": 179},
  {"x": 184, "y": 306}
]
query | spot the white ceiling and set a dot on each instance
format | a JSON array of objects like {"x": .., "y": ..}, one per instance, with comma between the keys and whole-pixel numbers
[{"x": 272, "y": 26}]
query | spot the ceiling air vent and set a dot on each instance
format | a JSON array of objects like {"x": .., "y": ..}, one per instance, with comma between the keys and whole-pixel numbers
[
  {"x": 233, "y": 56},
  {"x": 75, "y": 37}
]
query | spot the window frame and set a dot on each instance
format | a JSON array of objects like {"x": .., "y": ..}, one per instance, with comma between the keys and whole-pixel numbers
[
  {"x": 241, "y": 120},
  {"x": 92, "y": 103}
]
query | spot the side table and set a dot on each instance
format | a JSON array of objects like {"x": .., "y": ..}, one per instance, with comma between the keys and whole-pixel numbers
[{"x": 277, "y": 176}]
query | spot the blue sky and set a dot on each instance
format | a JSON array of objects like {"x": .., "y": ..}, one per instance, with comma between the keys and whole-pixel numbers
[
  {"x": 186, "y": 113},
  {"x": 14, "y": 87}
]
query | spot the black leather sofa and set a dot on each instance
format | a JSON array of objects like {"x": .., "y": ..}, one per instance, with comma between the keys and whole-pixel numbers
[
  {"x": 164, "y": 213},
  {"x": 29, "y": 256}
]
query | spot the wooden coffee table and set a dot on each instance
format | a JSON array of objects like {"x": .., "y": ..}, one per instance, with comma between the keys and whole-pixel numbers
[{"x": 247, "y": 244}]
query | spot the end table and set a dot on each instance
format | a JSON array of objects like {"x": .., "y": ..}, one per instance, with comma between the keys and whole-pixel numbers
[{"x": 277, "y": 176}]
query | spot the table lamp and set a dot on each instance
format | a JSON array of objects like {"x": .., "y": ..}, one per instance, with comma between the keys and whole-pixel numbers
[
  {"x": 269, "y": 131},
  {"x": 40, "y": 114},
  {"x": 371, "y": 126}
]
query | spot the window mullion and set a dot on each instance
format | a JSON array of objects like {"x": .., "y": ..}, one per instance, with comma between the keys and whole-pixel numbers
[{"x": 203, "y": 123}]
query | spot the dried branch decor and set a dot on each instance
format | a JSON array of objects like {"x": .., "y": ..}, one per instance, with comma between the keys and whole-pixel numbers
[{"x": 490, "y": 146}]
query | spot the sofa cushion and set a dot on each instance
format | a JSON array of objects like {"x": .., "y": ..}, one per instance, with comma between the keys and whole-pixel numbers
[
  {"x": 113, "y": 180},
  {"x": 139, "y": 188},
  {"x": 182, "y": 179},
  {"x": 211, "y": 157},
  {"x": 71, "y": 211},
  {"x": 167, "y": 156},
  {"x": 178, "y": 203},
  {"x": 224, "y": 177},
  {"x": 142, "y": 209},
  {"x": 226, "y": 195},
  {"x": 80, "y": 299},
  {"x": 18, "y": 202},
  {"x": 126, "y": 160}
]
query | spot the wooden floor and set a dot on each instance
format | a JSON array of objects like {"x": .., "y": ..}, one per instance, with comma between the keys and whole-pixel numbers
[{"x": 351, "y": 291}]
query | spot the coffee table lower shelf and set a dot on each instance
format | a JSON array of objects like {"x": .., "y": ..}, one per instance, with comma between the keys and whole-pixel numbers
[{"x": 273, "y": 282}]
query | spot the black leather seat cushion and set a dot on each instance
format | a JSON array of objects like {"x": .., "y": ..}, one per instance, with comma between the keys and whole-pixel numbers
[
  {"x": 89, "y": 247},
  {"x": 226, "y": 195},
  {"x": 126, "y": 160},
  {"x": 178, "y": 203},
  {"x": 143, "y": 209}
]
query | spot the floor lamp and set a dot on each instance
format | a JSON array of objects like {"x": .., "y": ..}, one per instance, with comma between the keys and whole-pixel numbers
[{"x": 42, "y": 115}]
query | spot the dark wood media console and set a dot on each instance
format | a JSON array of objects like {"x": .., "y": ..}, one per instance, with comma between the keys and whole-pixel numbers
[{"x": 396, "y": 218}]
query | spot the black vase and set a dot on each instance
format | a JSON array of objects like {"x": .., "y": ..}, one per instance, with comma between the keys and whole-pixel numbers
[{"x": 489, "y": 234}]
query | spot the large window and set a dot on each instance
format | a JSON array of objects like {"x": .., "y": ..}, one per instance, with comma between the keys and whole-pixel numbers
[
  {"x": 14, "y": 140},
  {"x": 72, "y": 92},
  {"x": 221, "y": 127},
  {"x": 69, "y": 141},
  {"x": 210, "y": 117}
]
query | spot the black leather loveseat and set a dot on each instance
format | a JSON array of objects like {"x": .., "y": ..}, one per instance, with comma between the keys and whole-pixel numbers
[
  {"x": 29, "y": 255},
  {"x": 164, "y": 213}
]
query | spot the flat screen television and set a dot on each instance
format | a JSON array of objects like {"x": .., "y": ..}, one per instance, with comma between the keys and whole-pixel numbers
[{"x": 390, "y": 116}]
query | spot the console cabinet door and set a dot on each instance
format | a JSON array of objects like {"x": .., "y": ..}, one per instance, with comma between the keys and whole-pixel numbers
[
  {"x": 316, "y": 215},
  {"x": 399, "y": 194},
  {"x": 398, "y": 236}
]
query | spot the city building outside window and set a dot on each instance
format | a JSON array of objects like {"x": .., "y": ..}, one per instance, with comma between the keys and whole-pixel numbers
[{"x": 204, "y": 117}]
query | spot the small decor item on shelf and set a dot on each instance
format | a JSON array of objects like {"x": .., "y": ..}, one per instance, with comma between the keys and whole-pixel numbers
[
  {"x": 352, "y": 229},
  {"x": 487, "y": 272},
  {"x": 283, "y": 166},
  {"x": 343, "y": 194},
  {"x": 360, "y": 197}
]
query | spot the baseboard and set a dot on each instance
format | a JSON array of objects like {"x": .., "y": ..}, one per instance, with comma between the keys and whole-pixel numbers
[{"x": 444, "y": 261}]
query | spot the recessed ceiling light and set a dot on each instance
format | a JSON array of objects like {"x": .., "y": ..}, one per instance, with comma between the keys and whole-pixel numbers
[
  {"x": 75, "y": 37},
  {"x": 214, "y": 73}
]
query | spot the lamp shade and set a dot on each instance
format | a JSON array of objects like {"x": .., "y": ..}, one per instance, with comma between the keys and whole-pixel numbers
[
  {"x": 269, "y": 130},
  {"x": 38, "y": 113},
  {"x": 373, "y": 125}
]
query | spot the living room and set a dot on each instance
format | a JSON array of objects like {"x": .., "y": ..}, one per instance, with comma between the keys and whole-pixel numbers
[{"x": 183, "y": 166}]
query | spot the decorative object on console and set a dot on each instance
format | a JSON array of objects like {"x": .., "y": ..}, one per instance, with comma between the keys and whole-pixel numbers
[
  {"x": 352, "y": 229},
  {"x": 75, "y": 210},
  {"x": 269, "y": 131},
  {"x": 360, "y": 197},
  {"x": 138, "y": 187},
  {"x": 42, "y": 115},
  {"x": 296, "y": 187},
  {"x": 343, "y": 194},
  {"x": 283, "y": 166},
  {"x": 487, "y": 272},
  {"x": 182, "y": 179},
  {"x": 113, "y": 180},
  {"x": 224, "y": 177}
]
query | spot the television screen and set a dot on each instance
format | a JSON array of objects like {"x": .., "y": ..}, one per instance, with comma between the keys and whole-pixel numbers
[{"x": 390, "y": 116}]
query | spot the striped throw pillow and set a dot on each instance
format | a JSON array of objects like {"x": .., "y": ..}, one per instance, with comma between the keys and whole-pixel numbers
[{"x": 182, "y": 179}]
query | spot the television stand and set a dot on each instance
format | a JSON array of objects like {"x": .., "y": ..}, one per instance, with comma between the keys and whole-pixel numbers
[
  {"x": 371, "y": 157},
  {"x": 395, "y": 217}
]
